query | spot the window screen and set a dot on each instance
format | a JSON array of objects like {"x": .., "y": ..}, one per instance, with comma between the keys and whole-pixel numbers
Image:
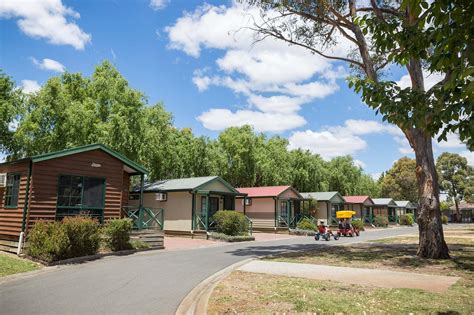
[{"x": 12, "y": 189}]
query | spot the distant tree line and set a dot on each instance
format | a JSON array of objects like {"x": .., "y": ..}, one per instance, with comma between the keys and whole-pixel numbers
[{"x": 72, "y": 110}]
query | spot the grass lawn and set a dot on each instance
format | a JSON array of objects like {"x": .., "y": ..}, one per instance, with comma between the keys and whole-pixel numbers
[
  {"x": 251, "y": 293},
  {"x": 10, "y": 264}
]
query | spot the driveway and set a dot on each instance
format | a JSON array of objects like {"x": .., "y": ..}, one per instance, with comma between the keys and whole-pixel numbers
[{"x": 152, "y": 282}]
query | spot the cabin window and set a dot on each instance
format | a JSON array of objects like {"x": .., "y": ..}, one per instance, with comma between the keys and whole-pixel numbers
[
  {"x": 80, "y": 195},
  {"x": 248, "y": 201},
  {"x": 12, "y": 190}
]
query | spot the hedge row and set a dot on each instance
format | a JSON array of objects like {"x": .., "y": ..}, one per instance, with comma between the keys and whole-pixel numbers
[{"x": 76, "y": 237}]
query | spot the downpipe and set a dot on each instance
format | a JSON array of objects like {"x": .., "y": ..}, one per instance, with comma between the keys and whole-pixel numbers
[{"x": 20, "y": 244}]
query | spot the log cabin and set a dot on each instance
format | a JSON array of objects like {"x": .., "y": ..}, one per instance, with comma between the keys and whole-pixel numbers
[{"x": 90, "y": 180}]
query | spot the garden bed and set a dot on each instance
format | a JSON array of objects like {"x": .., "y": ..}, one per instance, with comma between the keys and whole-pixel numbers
[{"x": 229, "y": 238}]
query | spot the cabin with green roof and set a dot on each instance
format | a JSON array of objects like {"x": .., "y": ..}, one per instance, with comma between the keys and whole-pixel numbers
[
  {"x": 328, "y": 203},
  {"x": 91, "y": 180},
  {"x": 188, "y": 203}
]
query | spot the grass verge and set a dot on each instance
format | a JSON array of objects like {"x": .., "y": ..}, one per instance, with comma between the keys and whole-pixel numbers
[
  {"x": 10, "y": 264},
  {"x": 253, "y": 293}
]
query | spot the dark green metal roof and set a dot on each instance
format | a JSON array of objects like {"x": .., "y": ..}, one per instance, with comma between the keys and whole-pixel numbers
[
  {"x": 86, "y": 148},
  {"x": 184, "y": 184}
]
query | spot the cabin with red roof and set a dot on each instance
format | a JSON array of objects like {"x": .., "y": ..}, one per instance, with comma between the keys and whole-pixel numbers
[
  {"x": 362, "y": 205},
  {"x": 270, "y": 207}
]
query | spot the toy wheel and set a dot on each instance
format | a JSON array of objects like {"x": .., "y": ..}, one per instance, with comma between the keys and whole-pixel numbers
[
  {"x": 357, "y": 233},
  {"x": 316, "y": 237},
  {"x": 327, "y": 237},
  {"x": 336, "y": 237}
]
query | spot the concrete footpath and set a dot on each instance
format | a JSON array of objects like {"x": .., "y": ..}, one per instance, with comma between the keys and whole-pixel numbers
[{"x": 371, "y": 277}]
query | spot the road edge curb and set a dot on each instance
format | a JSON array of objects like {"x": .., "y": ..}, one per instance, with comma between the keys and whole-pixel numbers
[{"x": 196, "y": 301}]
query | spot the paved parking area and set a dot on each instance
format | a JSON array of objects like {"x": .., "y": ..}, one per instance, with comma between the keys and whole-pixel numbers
[
  {"x": 177, "y": 243},
  {"x": 183, "y": 243}
]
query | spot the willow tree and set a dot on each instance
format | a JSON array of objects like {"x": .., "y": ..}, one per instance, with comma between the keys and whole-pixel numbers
[{"x": 414, "y": 35}]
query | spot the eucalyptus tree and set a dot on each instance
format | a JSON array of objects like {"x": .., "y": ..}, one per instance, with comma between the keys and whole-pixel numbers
[
  {"x": 11, "y": 105},
  {"x": 415, "y": 35},
  {"x": 400, "y": 182},
  {"x": 456, "y": 178}
]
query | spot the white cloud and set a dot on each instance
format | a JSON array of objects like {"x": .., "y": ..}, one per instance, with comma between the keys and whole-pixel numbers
[
  {"x": 469, "y": 155},
  {"x": 275, "y": 77},
  {"x": 430, "y": 80},
  {"x": 333, "y": 141},
  {"x": 376, "y": 176},
  {"x": 158, "y": 4},
  {"x": 30, "y": 86},
  {"x": 359, "y": 163},
  {"x": 452, "y": 142},
  {"x": 49, "y": 64},
  {"x": 326, "y": 143},
  {"x": 46, "y": 19},
  {"x": 362, "y": 127},
  {"x": 218, "y": 119}
]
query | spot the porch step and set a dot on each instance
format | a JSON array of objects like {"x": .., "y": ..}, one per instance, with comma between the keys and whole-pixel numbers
[
  {"x": 198, "y": 234},
  {"x": 8, "y": 246},
  {"x": 154, "y": 239}
]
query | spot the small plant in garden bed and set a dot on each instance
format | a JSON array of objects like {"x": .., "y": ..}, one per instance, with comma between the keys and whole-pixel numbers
[
  {"x": 358, "y": 224},
  {"x": 137, "y": 244},
  {"x": 231, "y": 238},
  {"x": 407, "y": 219},
  {"x": 381, "y": 221},
  {"x": 230, "y": 222},
  {"x": 117, "y": 234},
  {"x": 73, "y": 237},
  {"x": 306, "y": 224},
  {"x": 298, "y": 231}
]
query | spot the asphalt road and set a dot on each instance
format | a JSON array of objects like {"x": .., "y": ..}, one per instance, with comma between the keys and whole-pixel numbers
[{"x": 152, "y": 282}]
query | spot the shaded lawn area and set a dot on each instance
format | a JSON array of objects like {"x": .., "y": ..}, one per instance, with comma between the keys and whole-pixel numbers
[
  {"x": 10, "y": 264},
  {"x": 253, "y": 293}
]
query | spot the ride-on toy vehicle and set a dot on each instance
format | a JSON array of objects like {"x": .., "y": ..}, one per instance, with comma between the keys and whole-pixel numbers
[
  {"x": 324, "y": 233},
  {"x": 345, "y": 226}
]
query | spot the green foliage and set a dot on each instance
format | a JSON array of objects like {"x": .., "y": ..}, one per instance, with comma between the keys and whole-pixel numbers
[
  {"x": 444, "y": 219},
  {"x": 48, "y": 241},
  {"x": 456, "y": 176},
  {"x": 137, "y": 244},
  {"x": 358, "y": 224},
  {"x": 117, "y": 233},
  {"x": 73, "y": 109},
  {"x": 306, "y": 224},
  {"x": 230, "y": 222},
  {"x": 445, "y": 206},
  {"x": 407, "y": 219},
  {"x": 381, "y": 221},
  {"x": 73, "y": 237},
  {"x": 400, "y": 183}
]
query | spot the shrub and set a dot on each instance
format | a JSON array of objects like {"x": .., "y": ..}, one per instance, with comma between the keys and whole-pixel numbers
[
  {"x": 444, "y": 219},
  {"x": 48, "y": 241},
  {"x": 117, "y": 234},
  {"x": 302, "y": 232},
  {"x": 73, "y": 237},
  {"x": 306, "y": 224},
  {"x": 83, "y": 234},
  {"x": 406, "y": 219},
  {"x": 137, "y": 244},
  {"x": 381, "y": 221},
  {"x": 358, "y": 224},
  {"x": 230, "y": 222}
]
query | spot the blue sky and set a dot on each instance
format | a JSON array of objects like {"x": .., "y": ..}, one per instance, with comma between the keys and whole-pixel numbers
[{"x": 194, "y": 57}]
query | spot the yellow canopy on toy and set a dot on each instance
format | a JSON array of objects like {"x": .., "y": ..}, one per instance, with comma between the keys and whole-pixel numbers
[{"x": 345, "y": 214}]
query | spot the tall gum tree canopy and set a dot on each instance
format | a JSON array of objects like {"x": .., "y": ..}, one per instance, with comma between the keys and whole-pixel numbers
[
  {"x": 456, "y": 178},
  {"x": 399, "y": 182},
  {"x": 416, "y": 35}
]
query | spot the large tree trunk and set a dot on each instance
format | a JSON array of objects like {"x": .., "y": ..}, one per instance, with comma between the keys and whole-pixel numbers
[{"x": 430, "y": 227}]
